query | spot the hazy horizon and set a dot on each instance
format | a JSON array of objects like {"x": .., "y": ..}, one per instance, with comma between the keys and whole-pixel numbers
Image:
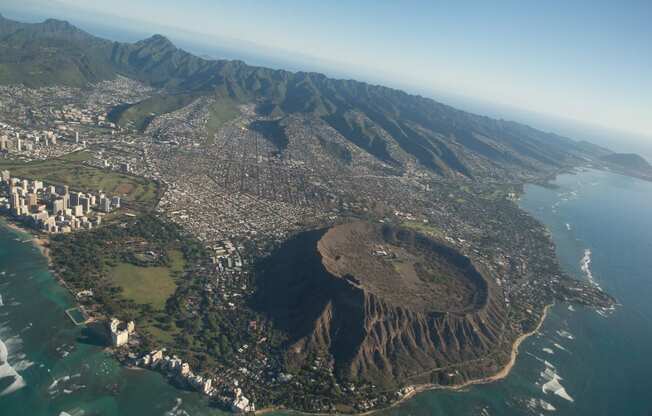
[{"x": 628, "y": 131}]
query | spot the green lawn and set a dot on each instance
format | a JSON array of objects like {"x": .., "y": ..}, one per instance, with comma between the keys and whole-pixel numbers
[
  {"x": 220, "y": 112},
  {"x": 424, "y": 228},
  {"x": 140, "y": 114},
  {"x": 69, "y": 170},
  {"x": 148, "y": 285}
]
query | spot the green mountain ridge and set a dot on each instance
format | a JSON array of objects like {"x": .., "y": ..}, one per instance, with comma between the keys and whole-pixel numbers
[{"x": 389, "y": 124}]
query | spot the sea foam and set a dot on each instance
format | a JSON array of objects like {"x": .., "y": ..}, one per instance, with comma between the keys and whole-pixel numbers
[
  {"x": 585, "y": 266},
  {"x": 7, "y": 371},
  {"x": 553, "y": 385}
]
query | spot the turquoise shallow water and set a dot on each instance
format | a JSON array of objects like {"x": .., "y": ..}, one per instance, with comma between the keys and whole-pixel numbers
[
  {"x": 63, "y": 371},
  {"x": 604, "y": 364}
]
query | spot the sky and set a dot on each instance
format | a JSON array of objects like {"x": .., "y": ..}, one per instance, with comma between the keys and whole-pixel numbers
[{"x": 585, "y": 61}]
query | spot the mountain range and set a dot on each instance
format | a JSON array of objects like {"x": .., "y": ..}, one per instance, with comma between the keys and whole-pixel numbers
[{"x": 389, "y": 124}]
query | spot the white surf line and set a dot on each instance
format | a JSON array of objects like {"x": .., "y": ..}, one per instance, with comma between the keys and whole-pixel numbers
[
  {"x": 6, "y": 370},
  {"x": 585, "y": 266}
]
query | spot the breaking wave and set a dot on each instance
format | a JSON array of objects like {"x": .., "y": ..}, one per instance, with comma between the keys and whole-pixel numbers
[
  {"x": 8, "y": 372},
  {"x": 585, "y": 266},
  {"x": 552, "y": 383}
]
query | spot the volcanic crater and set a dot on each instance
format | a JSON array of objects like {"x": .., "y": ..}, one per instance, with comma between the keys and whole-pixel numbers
[
  {"x": 386, "y": 304},
  {"x": 402, "y": 267}
]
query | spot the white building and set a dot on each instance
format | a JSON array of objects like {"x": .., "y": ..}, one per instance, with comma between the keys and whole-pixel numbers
[{"x": 120, "y": 334}]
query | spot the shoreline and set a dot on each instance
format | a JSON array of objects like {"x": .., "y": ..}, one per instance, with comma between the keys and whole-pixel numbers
[
  {"x": 500, "y": 375},
  {"x": 421, "y": 388},
  {"x": 41, "y": 243}
]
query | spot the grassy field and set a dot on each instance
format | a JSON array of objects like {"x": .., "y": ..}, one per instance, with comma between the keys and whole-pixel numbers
[
  {"x": 148, "y": 285},
  {"x": 140, "y": 114},
  {"x": 424, "y": 228},
  {"x": 69, "y": 170},
  {"x": 221, "y": 111}
]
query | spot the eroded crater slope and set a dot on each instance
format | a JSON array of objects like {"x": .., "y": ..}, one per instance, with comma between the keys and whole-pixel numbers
[{"x": 385, "y": 304}]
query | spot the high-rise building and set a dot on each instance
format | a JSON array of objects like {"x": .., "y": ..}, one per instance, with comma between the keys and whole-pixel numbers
[
  {"x": 66, "y": 197},
  {"x": 105, "y": 204},
  {"x": 58, "y": 206},
  {"x": 78, "y": 211},
  {"x": 115, "y": 201},
  {"x": 19, "y": 145},
  {"x": 15, "y": 199},
  {"x": 31, "y": 199},
  {"x": 41, "y": 215},
  {"x": 85, "y": 203},
  {"x": 74, "y": 198}
]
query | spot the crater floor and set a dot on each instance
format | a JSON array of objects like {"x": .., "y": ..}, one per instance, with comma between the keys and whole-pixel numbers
[{"x": 402, "y": 267}]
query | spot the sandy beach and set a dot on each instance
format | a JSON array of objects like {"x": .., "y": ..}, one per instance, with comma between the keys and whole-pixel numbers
[
  {"x": 420, "y": 388},
  {"x": 504, "y": 372},
  {"x": 39, "y": 241},
  {"x": 42, "y": 244}
]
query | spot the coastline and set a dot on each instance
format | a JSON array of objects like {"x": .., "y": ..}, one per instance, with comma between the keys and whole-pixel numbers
[
  {"x": 40, "y": 242},
  {"x": 421, "y": 388},
  {"x": 501, "y": 374},
  {"x": 504, "y": 372}
]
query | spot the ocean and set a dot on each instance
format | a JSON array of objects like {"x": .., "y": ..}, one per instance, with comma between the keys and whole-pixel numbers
[
  {"x": 581, "y": 362},
  {"x": 51, "y": 367}
]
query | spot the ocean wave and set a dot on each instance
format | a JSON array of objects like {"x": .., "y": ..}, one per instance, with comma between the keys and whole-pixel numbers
[
  {"x": 7, "y": 371},
  {"x": 73, "y": 412},
  {"x": 176, "y": 410},
  {"x": 553, "y": 385},
  {"x": 565, "y": 334},
  {"x": 585, "y": 266},
  {"x": 23, "y": 365},
  {"x": 65, "y": 384},
  {"x": 560, "y": 347},
  {"x": 535, "y": 404}
]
